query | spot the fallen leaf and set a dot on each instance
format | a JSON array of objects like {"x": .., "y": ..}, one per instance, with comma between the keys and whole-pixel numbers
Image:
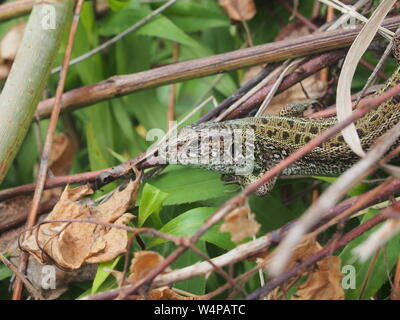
[
  {"x": 313, "y": 85},
  {"x": 324, "y": 283},
  {"x": 13, "y": 214},
  {"x": 70, "y": 245},
  {"x": 143, "y": 263},
  {"x": 240, "y": 223},
  {"x": 250, "y": 74},
  {"x": 101, "y": 6},
  {"x": 303, "y": 250},
  {"x": 239, "y": 10},
  {"x": 166, "y": 293},
  {"x": 61, "y": 155},
  {"x": 115, "y": 241}
]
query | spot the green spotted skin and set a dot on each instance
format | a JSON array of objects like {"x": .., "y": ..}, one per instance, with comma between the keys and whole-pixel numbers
[{"x": 278, "y": 136}]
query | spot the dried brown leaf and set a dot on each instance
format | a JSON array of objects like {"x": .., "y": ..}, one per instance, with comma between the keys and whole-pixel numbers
[
  {"x": 240, "y": 223},
  {"x": 303, "y": 250},
  {"x": 71, "y": 245},
  {"x": 313, "y": 85},
  {"x": 119, "y": 202},
  {"x": 292, "y": 30},
  {"x": 239, "y": 10},
  {"x": 61, "y": 155},
  {"x": 324, "y": 283},
  {"x": 114, "y": 240},
  {"x": 166, "y": 293},
  {"x": 143, "y": 263}
]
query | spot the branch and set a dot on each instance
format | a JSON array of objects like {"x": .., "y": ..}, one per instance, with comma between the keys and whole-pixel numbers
[
  {"x": 15, "y": 9},
  {"x": 277, "y": 51},
  {"x": 352, "y": 176},
  {"x": 25, "y": 84},
  {"x": 260, "y": 245},
  {"x": 348, "y": 237}
]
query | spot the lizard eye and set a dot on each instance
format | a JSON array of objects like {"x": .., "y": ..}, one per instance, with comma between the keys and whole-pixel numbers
[{"x": 193, "y": 145}]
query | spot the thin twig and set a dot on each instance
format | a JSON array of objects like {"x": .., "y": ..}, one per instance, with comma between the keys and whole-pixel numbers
[
  {"x": 348, "y": 179},
  {"x": 172, "y": 93},
  {"x": 16, "y": 8},
  {"x": 119, "y": 36},
  {"x": 378, "y": 67},
  {"x": 294, "y": 271},
  {"x": 41, "y": 178},
  {"x": 267, "y": 53},
  {"x": 31, "y": 289},
  {"x": 368, "y": 275}
]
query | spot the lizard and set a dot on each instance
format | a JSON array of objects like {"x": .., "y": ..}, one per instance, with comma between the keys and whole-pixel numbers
[{"x": 275, "y": 137}]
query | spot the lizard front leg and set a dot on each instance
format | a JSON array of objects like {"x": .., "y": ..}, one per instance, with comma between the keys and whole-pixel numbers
[
  {"x": 296, "y": 109},
  {"x": 245, "y": 180}
]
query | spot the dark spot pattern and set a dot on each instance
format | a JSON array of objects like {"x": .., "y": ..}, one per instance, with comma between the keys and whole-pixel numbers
[
  {"x": 285, "y": 135},
  {"x": 314, "y": 130}
]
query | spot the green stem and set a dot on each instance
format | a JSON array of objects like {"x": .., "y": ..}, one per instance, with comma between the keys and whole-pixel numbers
[{"x": 29, "y": 75}]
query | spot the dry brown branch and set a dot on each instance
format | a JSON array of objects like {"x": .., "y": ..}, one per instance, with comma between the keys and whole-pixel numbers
[
  {"x": 302, "y": 72},
  {"x": 15, "y": 9},
  {"x": 32, "y": 290},
  {"x": 44, "y": 161},
  {"x": 241, "y": 197},
  {"x": 277, "y": 51},
  {"x": 336, "y": 190},
  {"x": 327, "y": 250},
  {"x": 262, "y": 244}
]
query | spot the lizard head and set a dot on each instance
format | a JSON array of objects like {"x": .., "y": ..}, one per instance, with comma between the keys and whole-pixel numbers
[{"x": 223, "y": 147}]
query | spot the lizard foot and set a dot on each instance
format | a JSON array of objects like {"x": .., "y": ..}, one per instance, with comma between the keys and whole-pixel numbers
[
  {"x": 296, "y": 109},
  {"x": 245, "y": 180}
]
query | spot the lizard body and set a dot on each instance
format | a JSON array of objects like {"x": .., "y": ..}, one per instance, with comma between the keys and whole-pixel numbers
[{"x": 275, "y": 137}]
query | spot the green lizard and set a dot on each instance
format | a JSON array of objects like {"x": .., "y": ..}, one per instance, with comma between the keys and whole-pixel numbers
[{"x": 275, "y": 137}]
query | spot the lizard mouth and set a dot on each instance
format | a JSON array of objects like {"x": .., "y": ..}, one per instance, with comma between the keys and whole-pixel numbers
[{"x": 230, "y": 179}]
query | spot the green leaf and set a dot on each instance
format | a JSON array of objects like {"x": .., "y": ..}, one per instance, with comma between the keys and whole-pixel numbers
[
  {"x": 194, "y": 285},
  {"x": 355, "y": 191},
  {"x": 117, "y": 156},
  {"x": 132, "y": 55},
  {"x": 151, "y": 202},
  {"x": 186, "y": 224},
  {"x": 102, "y": 275},
  {"x": 378, "y": 275},
  {"x": 326, "y": 179},
  {"x": 191, "y": 16},
  {"x": 159, "y": 26},
  {"x": 226, "y": 85},
  {"x": 96, "y": 156},
  {"x": 185, "y": 185},
  {"x": 118, "y": 4},
  {"x": 5, "y": 272}
]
